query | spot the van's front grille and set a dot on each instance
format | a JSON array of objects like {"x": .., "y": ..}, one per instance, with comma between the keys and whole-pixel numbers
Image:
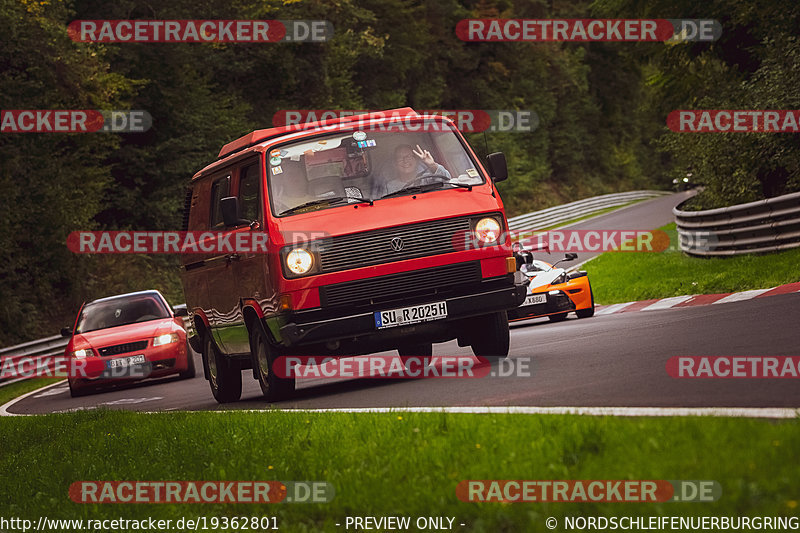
[
  {"x": 123, "y": 348},
  {"x": 393, "y": 244},
  {"x": 426, "y": 283}
]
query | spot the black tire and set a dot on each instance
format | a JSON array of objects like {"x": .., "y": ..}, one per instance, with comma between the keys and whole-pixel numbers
[
  {"x": 557, "y": 318},
  {"x": 190, "y": 371},
  {"x": 273, "y": 387},
  {"x": 77, "y": 393},
  {"x": 416, "y": 350},
  {"x": 225, "y": 378},
  {"x": 494, "y": 337},
  {"x": 586, "y": 313}
]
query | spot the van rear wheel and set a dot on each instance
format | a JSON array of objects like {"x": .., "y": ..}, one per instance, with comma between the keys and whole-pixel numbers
[
  {"x": 274, "y": 387},
  {"x": 224, "y": 377},
  {"x": 490, "y": 335}
]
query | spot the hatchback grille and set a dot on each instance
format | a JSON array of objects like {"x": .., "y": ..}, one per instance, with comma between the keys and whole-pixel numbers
[
  {"x": 376, "y": 247},
  {"x": 429, "y": 282},
  {"x": 123, "y": 348}
]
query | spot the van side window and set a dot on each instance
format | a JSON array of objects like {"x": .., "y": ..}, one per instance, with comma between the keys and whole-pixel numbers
[
  {"x": 219, "y": 190},
  {"x": 249, "y": 203}
]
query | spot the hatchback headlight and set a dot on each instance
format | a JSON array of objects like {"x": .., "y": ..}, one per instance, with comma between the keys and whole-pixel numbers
[
  {"x": 166, "y": 338},
  {"x": 80, "y": 354},
  {"x": 299, "y": 261}
]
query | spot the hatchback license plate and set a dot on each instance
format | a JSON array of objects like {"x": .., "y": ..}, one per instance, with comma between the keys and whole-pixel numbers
[
  {"x": 410, "y": 315},
  {"x": 126, "y": 361}
]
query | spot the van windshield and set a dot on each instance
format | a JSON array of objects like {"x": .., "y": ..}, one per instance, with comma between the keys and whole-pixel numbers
[{"x": 341, "y": 168}]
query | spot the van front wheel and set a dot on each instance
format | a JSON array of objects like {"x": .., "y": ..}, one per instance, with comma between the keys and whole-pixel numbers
[
  {"x": 274, "y": 387},
  {"x": 490, "y": 335},
  {"x": 223, "y": 376}
]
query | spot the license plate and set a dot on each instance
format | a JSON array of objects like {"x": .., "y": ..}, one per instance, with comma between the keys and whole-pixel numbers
[
  {"x": 126, "y": 361},
  {"x": 410, "y": 315},
  {"x": 534, "y": 299}
]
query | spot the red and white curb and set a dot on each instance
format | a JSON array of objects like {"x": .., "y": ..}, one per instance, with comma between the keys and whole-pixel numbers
[{"x": 696, "y": 299}]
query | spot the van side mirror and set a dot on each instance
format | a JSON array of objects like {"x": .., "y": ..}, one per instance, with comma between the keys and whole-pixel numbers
[
  {"x": 570, "y": 256},
  {"x": 180, "y": 310},
  {"x": 66, "y": 331},
  {"x": 498, "y": 169},
  {"x": 230, "y": 212}
]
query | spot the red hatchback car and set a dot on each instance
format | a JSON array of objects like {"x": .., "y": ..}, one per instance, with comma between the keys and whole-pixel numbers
[{"x": 126, "y": 338}]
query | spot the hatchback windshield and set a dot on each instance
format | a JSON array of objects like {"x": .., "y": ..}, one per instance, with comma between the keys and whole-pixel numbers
[
  {"x": 120, "y": 311},
  {"x": 358, "y": 166}
]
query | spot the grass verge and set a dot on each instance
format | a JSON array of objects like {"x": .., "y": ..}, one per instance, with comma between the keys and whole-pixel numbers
[
  {"x": 394, "y": 464},
  {"x": 619, "y": 277}
]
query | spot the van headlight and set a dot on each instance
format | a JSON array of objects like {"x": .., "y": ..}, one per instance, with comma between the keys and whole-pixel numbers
[
  {"x": 299, "y": 261},
  {"x": 487, "y": 230},
  {"x": 80, "y": 354}
]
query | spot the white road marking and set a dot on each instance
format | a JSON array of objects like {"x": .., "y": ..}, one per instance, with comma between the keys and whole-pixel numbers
[
  {"x": 613, "y": 308},
  {"x": 733, "y": 412},
  {"x": 666, "y": 303},
  {"x": 739, "y": 296},
  {"x": 4, "y": 408}
]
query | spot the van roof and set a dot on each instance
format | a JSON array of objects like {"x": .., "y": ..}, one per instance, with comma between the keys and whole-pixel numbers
[{"x": 257, "y": 136}]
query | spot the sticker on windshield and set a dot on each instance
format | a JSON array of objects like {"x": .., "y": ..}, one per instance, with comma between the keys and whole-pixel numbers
[
  {"x": 472, "y": 173},
  {"x": 277, "y": 170},
  {"x": 360, "y": 135},
  {"x": 274, "y": 160},
  {"x": 275, "y": 153},
  {"x": 366, "y": 144}
]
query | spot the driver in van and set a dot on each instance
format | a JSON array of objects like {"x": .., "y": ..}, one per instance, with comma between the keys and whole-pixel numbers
[{"x": 408, "y": 165}]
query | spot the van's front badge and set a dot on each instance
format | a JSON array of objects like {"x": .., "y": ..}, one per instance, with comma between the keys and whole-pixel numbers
[{"x": 397, "y": 244}]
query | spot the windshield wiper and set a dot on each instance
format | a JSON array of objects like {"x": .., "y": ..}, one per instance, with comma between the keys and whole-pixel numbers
[
  {"x": 325, "y": 201},
  {"x": 428, "y": 186}
]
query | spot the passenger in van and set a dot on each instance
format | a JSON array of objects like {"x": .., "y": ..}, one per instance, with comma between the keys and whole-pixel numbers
[
  {"x": 408, "y": 165},
  {"x": 291, "y": 187}
]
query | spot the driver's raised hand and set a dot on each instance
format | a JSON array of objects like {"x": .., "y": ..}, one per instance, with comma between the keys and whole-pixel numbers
[{"x": 425, "y": 156}]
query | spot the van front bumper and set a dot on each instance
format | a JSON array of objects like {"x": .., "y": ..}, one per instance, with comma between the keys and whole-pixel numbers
[{"x": 486, "y": 297}]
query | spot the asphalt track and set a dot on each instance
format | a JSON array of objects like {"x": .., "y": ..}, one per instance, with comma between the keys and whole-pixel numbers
[{"x": 615, "y": 360}]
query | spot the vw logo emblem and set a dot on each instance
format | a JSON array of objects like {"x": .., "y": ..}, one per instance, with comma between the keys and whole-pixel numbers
[{"x": 397, "y": 244}]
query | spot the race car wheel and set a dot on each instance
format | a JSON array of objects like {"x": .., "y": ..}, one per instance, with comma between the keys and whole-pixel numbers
[
  {"x": 586, "y": 313},
  {"x": 416, "y": 350},
  {"x": 557, "y": 317},
  {"x": 490, "y": 335},
  {"x": 273, "y": 387},
  {"x": 190, "y": 369},
  {"x": 224, "y": 377}
]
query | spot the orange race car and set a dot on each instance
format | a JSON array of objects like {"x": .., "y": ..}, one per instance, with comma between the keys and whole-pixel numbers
[{"x": 553, "y": 292}]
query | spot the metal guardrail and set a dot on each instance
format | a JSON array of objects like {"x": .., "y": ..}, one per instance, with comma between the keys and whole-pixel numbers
[
  {"x": 581, "y": 208},
  {"x": 764, "y": 226},
  {"x": 40, "y": 348}
]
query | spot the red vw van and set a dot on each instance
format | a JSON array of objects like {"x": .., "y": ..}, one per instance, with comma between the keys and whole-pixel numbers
[{"x": 384, "y": 231}]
